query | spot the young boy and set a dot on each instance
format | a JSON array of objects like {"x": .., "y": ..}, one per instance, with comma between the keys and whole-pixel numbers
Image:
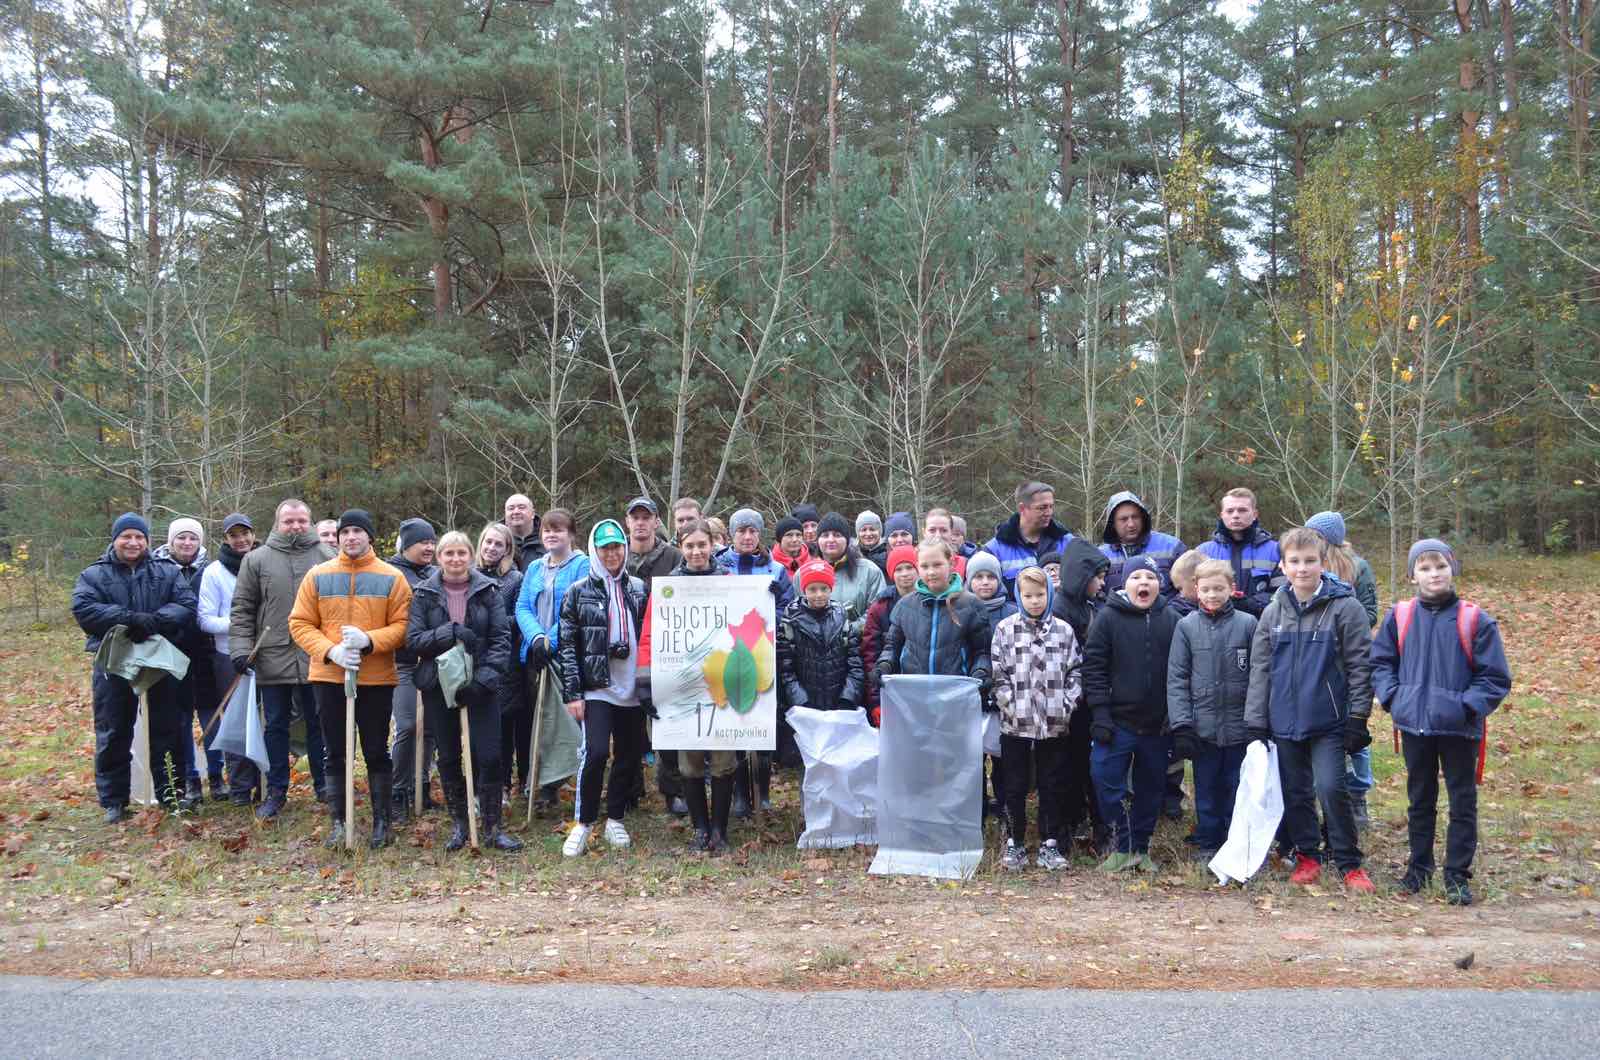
[
  {"x": 1208, "y": 674},
  {"x": 1311, "y": 691},
  {"x": 1050, "y": 563},
  {"x": 1036, "y": 687},
  {"x": 1439, "y": 667},
  {"x": 1125, "y": 684},
  {"x": 819, "y": 659},
  {"x": 1183, "y": 580}
]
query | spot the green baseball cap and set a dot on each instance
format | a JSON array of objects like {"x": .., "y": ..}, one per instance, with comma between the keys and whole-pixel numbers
[{"x": 609, "y": 532}]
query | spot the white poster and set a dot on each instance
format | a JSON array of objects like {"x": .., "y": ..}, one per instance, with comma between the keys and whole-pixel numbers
[{"x": 713, "y": 664}]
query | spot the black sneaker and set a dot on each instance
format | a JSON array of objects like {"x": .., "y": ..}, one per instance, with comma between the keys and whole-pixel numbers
[
  {"x": 1456, "y": 892},
  {"x": 271, "y": 807},
  {"x": 116, "y": 814},
  {"x": 240, "y": 798},
  {"x": 1413, "y": 882}
]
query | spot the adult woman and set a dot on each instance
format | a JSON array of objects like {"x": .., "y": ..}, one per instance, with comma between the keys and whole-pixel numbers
[
  {"x": 538, "y": 612},
  {"x": 457, "y": 604},
  {"x": 497, "y": 561}
]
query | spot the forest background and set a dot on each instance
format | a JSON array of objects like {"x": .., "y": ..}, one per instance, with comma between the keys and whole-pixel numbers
[{"x": 417, "y": 254}]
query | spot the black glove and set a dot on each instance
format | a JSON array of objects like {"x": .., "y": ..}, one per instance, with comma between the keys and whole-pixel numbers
[
  {"x": 241, "y": 664},
  {"x": 1185, "y": 744},
  {"x": 1252, "y": 735},
  {"x": 1356, "y": 735},
  {"x": 881, "y": 671},
  {"x": 1102, "y": 730},
  {"x": 466, "y": 638},
  {"x": 539, "y": 654},
  {"x": 472, "y": 694},
  {"x": 141, "y": 625},
  {"x": 983, "y": 678},
  {"x": 649, "y": 706}
]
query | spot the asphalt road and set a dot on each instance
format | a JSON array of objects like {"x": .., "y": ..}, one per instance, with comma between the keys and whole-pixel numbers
[{"x": 268, "y": 1018}]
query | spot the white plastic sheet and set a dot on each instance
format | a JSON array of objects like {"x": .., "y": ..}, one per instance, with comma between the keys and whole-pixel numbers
[
  {"x": 991, "y": 733},
  {"x": 930, "y": 778},
  {"x": 840, "y": 750},
  {"x": 141, "y": 785},
  {"x": 1257, "y": 809},
  {"x": 240, "y": 731}
]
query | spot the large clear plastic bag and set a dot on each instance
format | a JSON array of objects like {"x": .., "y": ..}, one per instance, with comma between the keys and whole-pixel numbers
[
  {"x": 930, "y": 778},
  {"x": 840, "y": 750}
]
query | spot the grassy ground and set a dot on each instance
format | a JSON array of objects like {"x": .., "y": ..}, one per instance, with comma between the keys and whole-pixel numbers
[{"x": 219, "y": 894}]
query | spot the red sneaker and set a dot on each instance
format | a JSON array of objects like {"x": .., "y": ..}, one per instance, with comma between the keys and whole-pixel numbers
[
  {"x": 1358, "y": 881},
  {"x": 1307, "y": 871}
]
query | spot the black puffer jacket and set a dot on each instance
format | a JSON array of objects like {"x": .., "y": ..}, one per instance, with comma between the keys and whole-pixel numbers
[
  {"x": 581, "y": 655},
  {"x": 1125, "y": 664},
  {"x": 1079, "y": 563},
  {"x": 108, "y": 592},
  {"x": 194, "y": 643},
  {"x": 430, "y": 633},
  {"x": 513, "y": 688},
  {"x": 819, "y": 659},
  {"x": 415, "y": 574},
  {"x": 925, "y": 639}
]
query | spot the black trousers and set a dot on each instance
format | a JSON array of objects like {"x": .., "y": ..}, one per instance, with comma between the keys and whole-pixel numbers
[
  {"x": 609, "y": 729},
  {"x": 374, "y": 704},
  {"x": 1082, "y": 802},
  {"x": 483, "y": 728},
  {"x": 1457, "y": 758},
  {"x": 1023, "y": 760},
  {"x": 116, "y": 709}
]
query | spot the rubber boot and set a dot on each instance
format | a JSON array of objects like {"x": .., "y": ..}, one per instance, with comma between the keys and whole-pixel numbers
[
  {"x": 335, "y": 838},
  {"x": 382, "y": 790},
  {"x": 764, "y": 780},
  {"x": 694, "y": 794},
  {"x": 400, "y": 811},
  {"x": 455, "y": 796},
  {"x": 721, "y": 803},
  {"x": 741, "y": 789},
  {"x": 494, "y": 837}
]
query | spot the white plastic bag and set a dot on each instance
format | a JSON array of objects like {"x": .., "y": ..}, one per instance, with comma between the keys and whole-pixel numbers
[
  {"x": 930, "y": 778},
  {"x": 240, "y": 732},
  {"x": 840, "y": 750},
  {"x": 991, "y": 734},
  {"x": 1257, "y": 809}
]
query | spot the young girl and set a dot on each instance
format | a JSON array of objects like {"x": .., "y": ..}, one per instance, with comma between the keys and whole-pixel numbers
[
  {"x": 538, "y": 610},
  {"x": 939, "y": 629},
  {"x": 902, "y": 564}
]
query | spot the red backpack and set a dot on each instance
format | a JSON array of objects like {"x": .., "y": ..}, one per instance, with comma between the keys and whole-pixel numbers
[{"x": 1466, "y": 631}]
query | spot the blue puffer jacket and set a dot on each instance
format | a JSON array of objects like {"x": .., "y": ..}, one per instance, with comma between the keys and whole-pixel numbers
[
  {"x": 1163, "y": 548},
  {"x": 537, "y": 582},
  {"x": 1431, "y": 689},
  {"x": 108, "y": 592},
  {"x": 1255, "y": 564},
  {"x": 761, "y": 563},
  {"x": 1015, "y": 554},
  {"x": 1309, "y": 665}
]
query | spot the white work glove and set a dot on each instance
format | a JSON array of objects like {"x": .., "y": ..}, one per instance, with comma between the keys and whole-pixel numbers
[
  {"x": 355, "y": 638},
  {"x": 349, "y": 658}
]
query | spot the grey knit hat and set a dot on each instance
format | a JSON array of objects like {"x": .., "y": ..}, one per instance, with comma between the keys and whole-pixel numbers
[
  {"x": 1431, "y": 544},
  {"x": 980, "y": 561},
  {"x": 1330, "y": 525},
  {"x": 868, "y": 518},
  {"x": 746, "y": 517}
]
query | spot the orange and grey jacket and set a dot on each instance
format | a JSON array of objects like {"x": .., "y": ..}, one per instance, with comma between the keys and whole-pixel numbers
[{"x": 366, "y": 593}]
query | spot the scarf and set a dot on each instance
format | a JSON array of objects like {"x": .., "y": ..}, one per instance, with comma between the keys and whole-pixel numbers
[{"x": 230, "y": 559}]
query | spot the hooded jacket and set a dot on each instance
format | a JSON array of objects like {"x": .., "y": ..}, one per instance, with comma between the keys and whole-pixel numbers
[
  {"x": 1125, "y": 664},
  {"x": 1208, "y": 674},
  {"x": 1432, "y": 689},
  {"x": 1038, "y": 674},
  {"x": 1080, "y": 562},
  {"x": 539, "y": 583},
  {"x": 1310, "y": 669},
  {"x": 648, "y": 566},
  {"x": 582, "y": 648},
  {"x": 430, "y": 632},
  {"x": 819, "y": 658},
  {"x": 109, "y": 592},
  {"x": 1255, "y": 564},
  {"x": 1014, "y": 553},
  {"x": 268, "y": 584},
  {"x": 924, "y": 637},
  {"x": 856, "y": 584},
  {"x": 760, "y": 563},
  {"x": 366, "y": 593},
  {"x": 1163, "y": 548}
]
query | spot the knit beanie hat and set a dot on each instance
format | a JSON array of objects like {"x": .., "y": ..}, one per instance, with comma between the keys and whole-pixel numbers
[
  {"x": 833, "y": 522},
  {"x": 1139, "y": 563},
  {"x": 746, "y": 517},
  {"x": 361, "y": 519},
  {"x": 1430, "y": 544},
  {"x": 185, "y": 525},
  {"x": 786, "y": 525},
  {"x": 416, "y": 531},
  {"x": 900, "y": 522},
  {"x": 1044, "y": 560},
  {"x": 814, "y": 572},
  {"x": 806, "y": 513},
  {"x": 868, "y": 518},
  {"x": 130, "y": 521},
  {"x": 1330, "y": 525},
  {"x": 983, "y": 563},
  {"x": 907, "y": 554}
]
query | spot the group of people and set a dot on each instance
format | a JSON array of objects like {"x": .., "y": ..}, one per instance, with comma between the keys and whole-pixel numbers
[{"x": 1107, "y": 664}]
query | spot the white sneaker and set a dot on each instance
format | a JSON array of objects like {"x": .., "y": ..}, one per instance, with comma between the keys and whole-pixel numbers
[
  {"x": 617, "y": 835},
  {"x": 577, "y": 840}
]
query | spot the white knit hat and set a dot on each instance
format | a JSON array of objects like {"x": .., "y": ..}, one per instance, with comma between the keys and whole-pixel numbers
[{"x": 178, "y": 526}]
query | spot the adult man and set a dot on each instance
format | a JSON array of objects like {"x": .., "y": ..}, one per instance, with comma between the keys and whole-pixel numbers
[
  {"x": 958, "y": 537},
  {"x": 1029, "y": 534},
  {"x": 524, "y": 523},
  {"x": 349, "y": 617},
  {"x": 264, "y": 594},
  {"x": 127, "y": 587},
  {"x": 415, "y": 561},
  {"x": 685, "y": 510},
  {"x": 215, "y": 596},
  {"x": 650, "y": 557},
  {"x": 328, "y": 533},
  {"x": 1241, "y": 540},
  {"x": 197, "y": 692},
  {"x": 1128, "y": 533},
  {"x": 869, "y": 540},
  {"x": 936, "y": 524}
]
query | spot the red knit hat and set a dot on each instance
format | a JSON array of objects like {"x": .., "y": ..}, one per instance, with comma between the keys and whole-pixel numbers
[
  {"x": 816, "y": 571},
  {"x": 903, "y": 554}
]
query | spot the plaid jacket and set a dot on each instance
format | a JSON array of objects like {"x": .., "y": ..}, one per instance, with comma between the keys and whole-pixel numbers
[{"x": 1037, "y": 675}]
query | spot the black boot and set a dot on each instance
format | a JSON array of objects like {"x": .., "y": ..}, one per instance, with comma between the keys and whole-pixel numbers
[
  {"x": 335, "y": 838},
  {"x": 494, "y": 837},
  {"x": 400, "y": 812},
  {"x": 382, "y": 791},
  {"x": 455, "y": 796},
  {"x": 741, "y": 789},
  {"x": 721, "y": 802},
  {"x": 694, "y": 794},
  {"x": 764, "y": 779}
]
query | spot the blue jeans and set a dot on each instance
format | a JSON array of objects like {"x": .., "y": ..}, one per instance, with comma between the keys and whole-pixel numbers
[
  {"x": 1216, "y": 782},
  {"x": 1312, "y": 772},
  {"x": 1132, "y": 820},
  {"x": 1358, "y": 774}
]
